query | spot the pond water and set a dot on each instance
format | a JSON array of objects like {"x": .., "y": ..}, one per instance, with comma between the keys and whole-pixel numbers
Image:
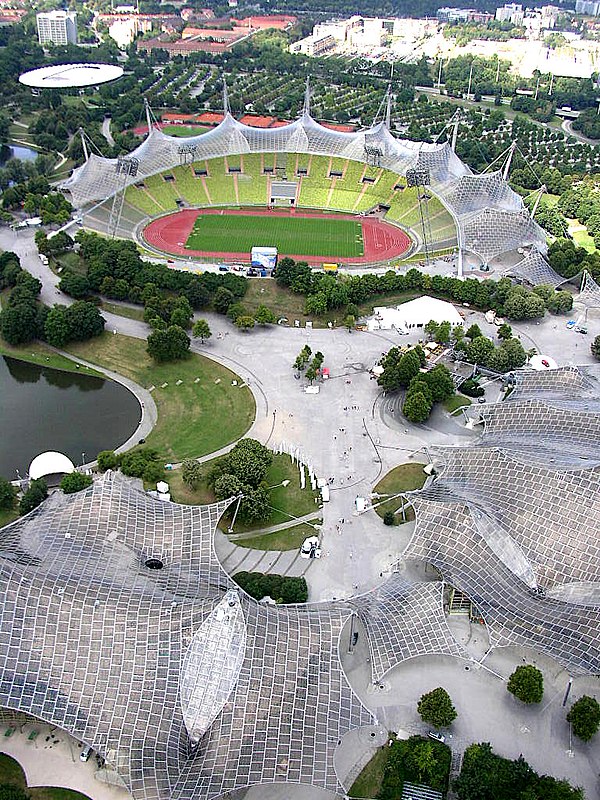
[
  {"x": 16, "y": 151},
  {"x": 48, "y": 409}
]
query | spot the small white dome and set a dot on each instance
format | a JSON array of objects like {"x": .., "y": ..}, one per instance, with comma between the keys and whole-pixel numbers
[
  {"x": 541, "y": 362},
  {"x": 50, "y": 463}
]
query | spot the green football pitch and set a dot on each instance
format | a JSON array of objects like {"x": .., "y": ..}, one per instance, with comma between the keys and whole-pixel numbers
[{"x": 300, "y": 236}]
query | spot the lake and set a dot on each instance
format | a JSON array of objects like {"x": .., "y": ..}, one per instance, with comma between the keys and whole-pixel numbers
[
  {"x": 8, "y": 151},
  {"x": 48, "y": 409}
]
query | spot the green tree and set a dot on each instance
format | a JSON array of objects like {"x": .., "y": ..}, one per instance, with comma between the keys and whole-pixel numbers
[
  {"x": 479, "y": 350},
  {"x": 8, "y": 494},
  {"x": 316, "y": 304},
  {"x": 584, "y": 716},
  {"x": 473, "y": 332},
  {"x": 436, "y": 708},
  {"x": 107, "y": 459},
  {"x": 201, "y": 330},
  {"x": 389, "y": 518},
  {"x": 18, "y": 323},
  {"x": 10, "y": 791},
  {"x": 222, "y": 299},
  {"x": 169, "y": 345},
  {"x": 57, "y": 330},
  {"x": 281, "y": 588},
  {"x": 191, "y": 472},
  {"x": 440, "y": 383},
  {"x": 595, "y": 347},
  {"x": 443, "y": 333},
  {"x": 75, "y": 482},
  {"x": 264, "y": 316},
  {"x": 311, "y": 373},
  {"x": 527, "y": 684},
  {"x": 35, "y": 494},
  {"x": 245, "y": 323},
  {"x": 430, "y": 328},
  {"x": 560, "y": 302},
  {"x": 349, "y": 322},
  {"x": 505, "y": 331}
]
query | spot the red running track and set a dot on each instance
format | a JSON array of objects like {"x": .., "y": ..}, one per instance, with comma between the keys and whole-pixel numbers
[{"x": 382, "y": 241}]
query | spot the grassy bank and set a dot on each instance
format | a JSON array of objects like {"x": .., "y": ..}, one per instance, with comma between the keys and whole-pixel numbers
[
  {"x": 200, "y": 415},
  {"x": 288, "y": 539},
  {"x": 7, "y": 516},
  {"x": 404, "y": 478},
  {"x": 287, "y": 502},
  {"x": 39, "y": 353},
  {"x": 455, "y": 401}
]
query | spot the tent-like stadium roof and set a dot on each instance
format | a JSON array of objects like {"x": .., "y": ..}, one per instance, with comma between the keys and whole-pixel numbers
[
  {"x": 70, "y": 76},
  {"x": 491, "y": 219}
]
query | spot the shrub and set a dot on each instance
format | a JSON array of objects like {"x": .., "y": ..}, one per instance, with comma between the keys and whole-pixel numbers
[
  {"x": 584, "y": 716},
  {"x": 436, "y": 708},
  {"x": 389, "y": 518},
  {"x": 527, "y": 684},
  {"x": 75, "y": 482},
  {"x": 280, "y": 588}
]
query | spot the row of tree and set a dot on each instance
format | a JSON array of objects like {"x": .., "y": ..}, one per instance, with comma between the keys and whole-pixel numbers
[
  {"x": 24, "y": 318},
  {"x": 325, "y": 292}
]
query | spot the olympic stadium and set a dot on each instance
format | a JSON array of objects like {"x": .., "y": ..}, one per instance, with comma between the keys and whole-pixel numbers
[{"x": 404, "y": 196}]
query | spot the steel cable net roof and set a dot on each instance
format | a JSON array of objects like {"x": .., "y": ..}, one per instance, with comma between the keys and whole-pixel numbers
[
  {"x": 521, "y": 539},
  {"x": 535, "y": 270},
  {"x": 589, "y": 292},
  {"x": 569, "y": 388},
  {"x": 447, "y": 537},
  {"x": 403, "y": 620},
  {"x": 541, "y": 432},
  {"x": 490, "y": 217},
  {"x": 117, "y": 653}
]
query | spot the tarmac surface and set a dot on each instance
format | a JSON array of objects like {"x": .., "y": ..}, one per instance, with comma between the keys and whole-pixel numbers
[{"x": 352, "y": 435}]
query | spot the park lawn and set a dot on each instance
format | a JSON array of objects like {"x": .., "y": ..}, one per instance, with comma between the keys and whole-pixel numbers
[
  {"x": 181, "y": 492},
  {"x": 7, "y": 516},
  {"x": 123, "y": 311},
  {"x": 580, "y": 235},
  {"x": 194, "y": 419},
  {"x": 287, "y": 501},
  {"x": 404, "y": 478},
  {"x": 290, "y": 501},
  {"x": 281, "y": 301},
  {"x": 455, "y": 401},
  {"x": 11, "y": 772},
  {"x": 39, "y": 353},
  {"x": 185, "y": 130},
  {"x": 302, "y": 236},
  {"x": 288, "y": 539},
  {"x": 370, "y": 779}
]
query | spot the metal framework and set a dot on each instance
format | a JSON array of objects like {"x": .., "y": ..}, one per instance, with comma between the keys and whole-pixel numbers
[
  {"x": 126, "y": 168},
  {"x": 420, "y": 179},
  {"x": 490, "y": 218}
]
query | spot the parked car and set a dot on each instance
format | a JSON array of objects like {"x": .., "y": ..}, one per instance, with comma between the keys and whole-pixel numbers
[
  {"x": 86, "y": 753},
  {"x": 581, "y": 329},
  {"x": 439, "y": 737},
  {"x": 571, "y": 324},
  {"x": 310, "y": 548}
]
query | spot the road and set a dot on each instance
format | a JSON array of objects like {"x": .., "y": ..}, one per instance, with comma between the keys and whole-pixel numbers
[{"x": 106, "y": 131}]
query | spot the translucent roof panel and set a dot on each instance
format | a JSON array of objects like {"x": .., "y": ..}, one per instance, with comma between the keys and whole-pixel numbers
[{"x": 212, "y": 664}]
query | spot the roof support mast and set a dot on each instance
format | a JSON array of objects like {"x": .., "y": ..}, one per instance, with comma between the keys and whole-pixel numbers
[
  {"x": 306, "y": 108},
  {"x": 86, "y": 153},
  {"x": 511, "y": 152}
]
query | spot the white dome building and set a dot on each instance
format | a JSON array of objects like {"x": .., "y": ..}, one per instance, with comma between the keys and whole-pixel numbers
[{"x": 50, "y": 463}]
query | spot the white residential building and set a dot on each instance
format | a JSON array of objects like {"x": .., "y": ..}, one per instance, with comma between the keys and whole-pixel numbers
[{"x": 57, "y": 27}]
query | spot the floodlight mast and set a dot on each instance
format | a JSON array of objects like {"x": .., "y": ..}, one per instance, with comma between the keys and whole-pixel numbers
[
  {"x": 126, "y": 167},
  {"x": 419, "y": 178}
]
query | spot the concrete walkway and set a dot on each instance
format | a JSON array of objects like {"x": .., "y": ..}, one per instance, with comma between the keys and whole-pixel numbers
[{"x": 52, "y": 759}]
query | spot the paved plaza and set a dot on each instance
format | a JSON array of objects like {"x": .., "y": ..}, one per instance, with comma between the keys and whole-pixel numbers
[{"x": 509, "y": 530}]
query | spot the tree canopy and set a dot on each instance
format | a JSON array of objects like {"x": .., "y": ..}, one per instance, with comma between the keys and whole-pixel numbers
[
  {"x": 436, "y": 708},
  {"x": 527, "y": 684}
]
